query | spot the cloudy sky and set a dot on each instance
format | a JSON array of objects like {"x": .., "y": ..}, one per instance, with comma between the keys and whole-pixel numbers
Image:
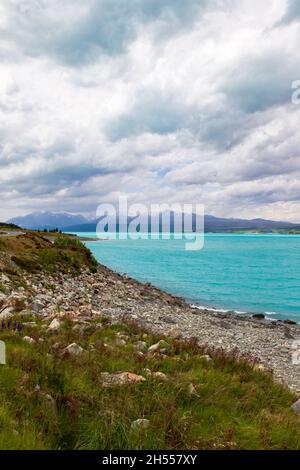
[{"x": 165, "y": 100}]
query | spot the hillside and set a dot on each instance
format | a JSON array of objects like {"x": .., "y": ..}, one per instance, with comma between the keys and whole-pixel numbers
[{"x": 99, "y": 361}]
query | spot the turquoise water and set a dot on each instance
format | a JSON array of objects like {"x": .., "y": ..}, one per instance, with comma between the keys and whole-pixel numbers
[{"x": 244, "y": 273}]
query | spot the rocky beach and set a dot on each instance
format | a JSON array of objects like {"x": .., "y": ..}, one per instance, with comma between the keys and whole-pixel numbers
[{"x": 274, "y": 345}]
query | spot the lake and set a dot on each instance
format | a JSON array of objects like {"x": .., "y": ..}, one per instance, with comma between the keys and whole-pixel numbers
[{"x": 233, "y": 272}]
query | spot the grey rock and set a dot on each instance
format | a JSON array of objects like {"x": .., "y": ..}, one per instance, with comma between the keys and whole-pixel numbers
[
  {"x": 141, "y": 346},
  {"x": 296, "y": 407},
  {"x": 54, "y": 325},
  {"x": 258, "y": 316},
  {"x": 206, "y": 358},
  {"x": 37, "y": 306},
  {"x": 160, "y": 376},
  {"x": 140, "y": 425},
  {"x": 28, "y": 340},
  {"x": 74, "y": 349},
  {"x": 7, "y": 312},
  {"x": 158, "y": 346}
]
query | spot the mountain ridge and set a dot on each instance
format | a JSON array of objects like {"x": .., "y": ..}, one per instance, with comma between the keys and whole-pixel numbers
[{"x": 78, "y": 223}]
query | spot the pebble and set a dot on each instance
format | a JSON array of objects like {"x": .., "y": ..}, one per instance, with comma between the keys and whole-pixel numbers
[{"x": 106, "y": 294}]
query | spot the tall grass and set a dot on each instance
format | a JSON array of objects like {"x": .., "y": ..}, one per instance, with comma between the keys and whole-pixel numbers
[{"x": 49, "y": 400}]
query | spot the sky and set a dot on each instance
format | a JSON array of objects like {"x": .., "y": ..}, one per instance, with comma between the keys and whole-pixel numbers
[{"x": 163, "y": 100}]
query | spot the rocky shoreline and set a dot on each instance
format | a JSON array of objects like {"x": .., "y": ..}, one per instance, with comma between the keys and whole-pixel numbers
[{"x": 274, "y": 345}]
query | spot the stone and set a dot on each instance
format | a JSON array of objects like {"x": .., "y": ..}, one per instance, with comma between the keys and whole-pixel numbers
[
  {"x": 289, "y": 322},
  {"x": 225, "y": 325},
  {"x": 175, "y": 333},
  {"x": 37, "y": 306},
  {"x": 296, "y": 344},
  {"x": 140, "y": 354},
  {"x": 6, "y": 312},
  {"x": 158, "y": 346},
  {"x": 288, "y": 334},
  {"x": 258, "y": 316},
  {"x": 77, "y": 327},
  {"x": 54, "y": 325},
  {"x": 74, "y": 349},
  {"x": 28, "y": 340},
  {"x": 160, "y": 376},
  {"x": 296, "y": 357},
  {"x": 140, "y": 425},
  {"x": 4, "y": 279},
  {"x": 206, "y": 358},
  {"x": 141, "y": 346},
  {"x": 120, "y": 378},
  {"x": 120, "y": 342},
  {"x": 50, "y": 402},
  {"x": 192, "y": 389},
  {"x": 296, "y": 407}
]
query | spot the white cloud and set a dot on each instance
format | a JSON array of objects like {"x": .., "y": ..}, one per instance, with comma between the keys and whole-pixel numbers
[{"x": 168, "y": 105}]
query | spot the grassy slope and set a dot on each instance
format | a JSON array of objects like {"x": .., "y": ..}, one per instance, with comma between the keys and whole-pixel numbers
[
  {"x": 32, "y": 252},
  {"x": 234, "y": 406}
]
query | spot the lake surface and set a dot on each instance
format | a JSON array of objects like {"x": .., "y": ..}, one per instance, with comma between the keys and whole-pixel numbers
[{"x": 242, "y": 273}]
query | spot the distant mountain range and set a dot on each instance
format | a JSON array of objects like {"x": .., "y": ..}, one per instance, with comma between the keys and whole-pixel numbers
[
  {"x": 78, "y": 223},
  {"x": 48, "y": 220}
]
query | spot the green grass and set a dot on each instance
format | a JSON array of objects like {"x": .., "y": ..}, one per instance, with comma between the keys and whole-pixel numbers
[
  {"x": 235, "y": 407},
  {"x": 32, "y": 252}
]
